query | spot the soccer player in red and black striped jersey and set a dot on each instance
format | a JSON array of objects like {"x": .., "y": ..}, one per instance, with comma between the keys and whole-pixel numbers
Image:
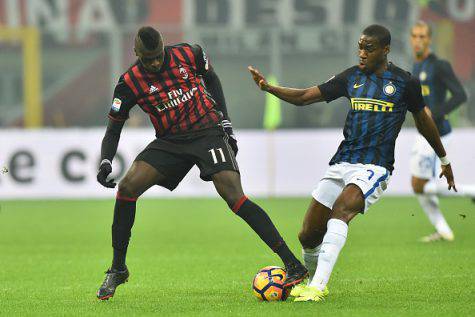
[{"x": 179, "y": 90}]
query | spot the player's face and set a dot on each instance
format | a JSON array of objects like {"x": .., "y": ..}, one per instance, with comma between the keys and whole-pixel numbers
[
  {"x": 152, "y": 61},
  {"x": 371, "y": 54},
  {"x": 420, "y": 40}
]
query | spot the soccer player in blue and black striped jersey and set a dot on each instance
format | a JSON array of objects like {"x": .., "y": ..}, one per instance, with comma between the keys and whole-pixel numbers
[
  {"x": 437, "y": 80},
  {"x": 380, "y": 94}
]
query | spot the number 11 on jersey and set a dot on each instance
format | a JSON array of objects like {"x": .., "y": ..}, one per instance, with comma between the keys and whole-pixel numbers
[{"x": 215, "y": 158}]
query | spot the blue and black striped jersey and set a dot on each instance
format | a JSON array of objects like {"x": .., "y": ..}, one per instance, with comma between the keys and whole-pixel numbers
[
  {"x": 378, "y": 109},
  {"x": 437, "y": 78}
]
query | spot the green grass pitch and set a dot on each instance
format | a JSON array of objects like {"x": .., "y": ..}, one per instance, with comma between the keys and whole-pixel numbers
[{"x": 194, "y": 257}]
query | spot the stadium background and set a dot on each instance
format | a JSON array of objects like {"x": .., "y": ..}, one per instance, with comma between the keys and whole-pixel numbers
[{"x": 59, "y": 61}]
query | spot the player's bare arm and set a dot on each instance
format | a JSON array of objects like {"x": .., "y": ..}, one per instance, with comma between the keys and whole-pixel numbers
[
  {"x": 296, "y": 96},
  {"x": 427, "y": 128}
]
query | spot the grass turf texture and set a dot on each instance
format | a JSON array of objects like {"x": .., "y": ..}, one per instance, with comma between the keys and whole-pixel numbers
[{"x": 193, "y": 257}]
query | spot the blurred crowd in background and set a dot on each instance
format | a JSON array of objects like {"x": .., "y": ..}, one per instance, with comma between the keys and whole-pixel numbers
[{"x": 84, "y": 46}]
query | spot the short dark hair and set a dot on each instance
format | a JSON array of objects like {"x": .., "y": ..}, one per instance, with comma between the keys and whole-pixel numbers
[
  {"x": 422, "y": 23},
  {"x": 151, "y": 38},
  {"x": 379, "y": 32}
]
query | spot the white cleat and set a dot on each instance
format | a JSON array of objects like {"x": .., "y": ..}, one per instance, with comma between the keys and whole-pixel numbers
[{"x": 436, "y": 236}]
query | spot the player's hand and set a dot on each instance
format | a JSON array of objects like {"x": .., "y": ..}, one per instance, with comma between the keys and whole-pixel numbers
[
  {"x": 259, "y": 79},
  {"x": 104, "y": 170},
  {"x": 449, "y": 175}
]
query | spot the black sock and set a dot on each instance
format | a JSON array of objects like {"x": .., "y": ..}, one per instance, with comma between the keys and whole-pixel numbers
[
  {"x": 260, "y": 222},
  {"x": 124, "y": 216}
]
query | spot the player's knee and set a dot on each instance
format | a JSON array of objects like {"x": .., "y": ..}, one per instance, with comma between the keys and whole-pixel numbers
[
  {"x": 126, "y": 189},
  {"x": 310, "y": 239},
  {"x": 342, "y": 212},
  {"x": 418, "y": 185},
  {"x": 232, "y": 199}
]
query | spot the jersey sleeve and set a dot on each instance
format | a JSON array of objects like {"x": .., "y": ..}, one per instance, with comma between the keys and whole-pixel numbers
[
  {"x": 123, "y": 100},
  {"x": 458, "y": 96},
  {"x": 201, "y": 59},
  {"x": 335, "y": 87},
  {"x": 415, "y": 101}
]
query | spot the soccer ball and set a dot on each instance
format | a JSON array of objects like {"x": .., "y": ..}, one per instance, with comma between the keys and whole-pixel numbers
[{"x": 268, "y": 284}]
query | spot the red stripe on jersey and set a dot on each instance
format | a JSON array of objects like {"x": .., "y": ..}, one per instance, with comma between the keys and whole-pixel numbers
[
  {"x": 190, "y": 55},
  {"x": 139, "y": 76},
  {"x": 153, "y": 119},
  {"x": 129, "y": 83},
  {"x": 196, "y": 106},
  {"x": 205, "y": 101},
  {"x": 162, "y": 96}
]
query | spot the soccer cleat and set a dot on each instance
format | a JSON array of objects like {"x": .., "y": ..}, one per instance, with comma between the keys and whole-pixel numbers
[
  {"x": 299, "y": 289},
  {"x": 113, "y": 279},
  {"x": 296, "y": 273},
  {"x": 310, "y": 294},
  {"x": 436, "y": 236}
]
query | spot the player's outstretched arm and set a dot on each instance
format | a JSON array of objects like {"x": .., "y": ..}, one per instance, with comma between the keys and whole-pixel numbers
[
  {"x": 109, "y": 146},
  {"x": 427, "y": 128},
  {"x": 298, "y": 97}
]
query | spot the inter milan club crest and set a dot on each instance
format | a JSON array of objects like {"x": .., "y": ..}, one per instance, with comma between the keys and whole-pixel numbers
[
  {"x": 183, "y": 72},
  {"x": 422, "y": 76},
  {"x": 389, "y": 89}
]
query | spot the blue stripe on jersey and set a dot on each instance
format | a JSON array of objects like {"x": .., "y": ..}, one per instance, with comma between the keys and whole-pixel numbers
[
  {"x": 378, "y": 109},
  {"x": 433, "y": 91},
  {"x": 376, "y": 185}
]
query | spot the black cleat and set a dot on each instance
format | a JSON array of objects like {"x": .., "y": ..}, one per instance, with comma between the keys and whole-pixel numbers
[
  {"x": 296, "y": 273},
  {"x": 113, "y": 279}
]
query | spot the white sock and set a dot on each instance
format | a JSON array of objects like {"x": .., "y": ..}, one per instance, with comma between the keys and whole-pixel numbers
[
  {"x": 333, "y": 242},
  {"x": 430, "y": 205},
  {"x": 439, "y": 188},
  {"x": 310, "y": 259}
]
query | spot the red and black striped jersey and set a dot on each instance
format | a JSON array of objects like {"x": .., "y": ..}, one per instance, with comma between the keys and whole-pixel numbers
[{"x": 175, "y": 98}]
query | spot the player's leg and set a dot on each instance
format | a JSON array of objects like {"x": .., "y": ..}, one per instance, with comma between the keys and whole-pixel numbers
[
  {"x": 430, "y": 205},
  {"x": 311, "y": 235},
  {"x": 365, "y": 185},
  {"x": 138, "y": 179},
  {"x": 348, "y": 204},
  {"x": 228, "y": 186},
  {"x": 423, "y": 170},
  {"x": 315, "y": 221}
]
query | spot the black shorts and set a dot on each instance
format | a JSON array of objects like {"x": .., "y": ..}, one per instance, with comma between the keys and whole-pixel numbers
[{"x": 174, "y": 156}]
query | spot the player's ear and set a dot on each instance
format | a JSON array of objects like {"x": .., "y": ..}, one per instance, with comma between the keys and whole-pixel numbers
[{"x": 387, "y": 49}]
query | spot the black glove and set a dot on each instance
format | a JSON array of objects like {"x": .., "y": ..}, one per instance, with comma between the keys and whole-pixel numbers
[
  {"x": 104, "y": 170},
  {"x": 228, "y": 128}
]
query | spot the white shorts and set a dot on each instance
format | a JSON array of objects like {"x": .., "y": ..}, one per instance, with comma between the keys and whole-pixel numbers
[
  {"x": 424, "y": 162},
  {"x": 371, "y": 179}
]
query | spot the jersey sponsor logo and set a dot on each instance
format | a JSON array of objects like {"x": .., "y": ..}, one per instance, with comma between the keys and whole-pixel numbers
[
  {"x": 116, "y": 103},
  {"x": 357, "y": 85},
  {"x": 425, "y": 89},
  {"x": 368, "y": 104},
  {"x": 422, "y": 76},
  {"x": 152, "y": 89},
  {"x": 389, "y": 89},
  {"x": 177, "y": 97}
]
